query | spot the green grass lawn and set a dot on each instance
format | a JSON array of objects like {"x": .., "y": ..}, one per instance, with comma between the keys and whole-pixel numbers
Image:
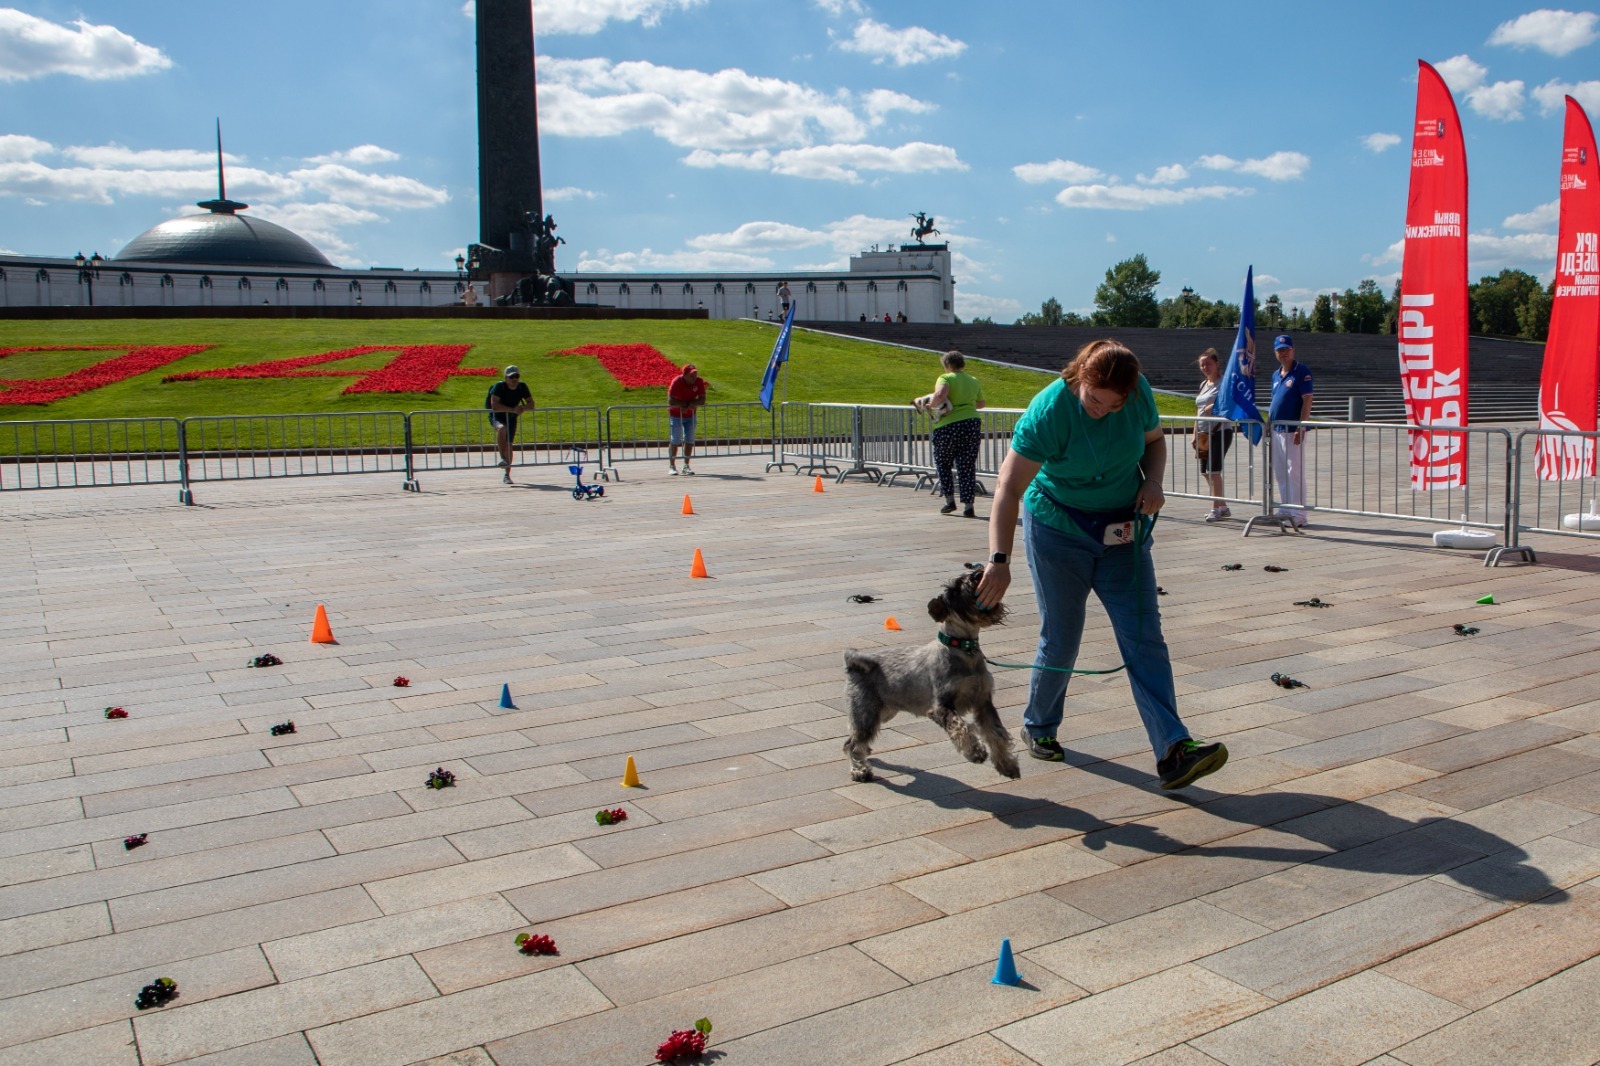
[{"x": 730, "y": 355}]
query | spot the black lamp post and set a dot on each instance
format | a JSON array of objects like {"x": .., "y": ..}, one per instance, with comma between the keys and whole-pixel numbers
[
  {"x": 1187, "y": 295},
  {"x": 88, "y": 270},
  {"x": 461, "y": 267}
]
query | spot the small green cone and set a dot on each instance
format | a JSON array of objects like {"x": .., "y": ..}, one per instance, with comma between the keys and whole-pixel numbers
[{"x": 1488, "y": 600}]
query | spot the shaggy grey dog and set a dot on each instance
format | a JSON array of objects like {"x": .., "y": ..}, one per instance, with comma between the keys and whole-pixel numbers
[{"x": 945, "y": 679}]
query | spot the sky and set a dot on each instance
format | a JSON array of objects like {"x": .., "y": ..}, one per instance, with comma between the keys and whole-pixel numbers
[{"x": 1048, "y": 138}]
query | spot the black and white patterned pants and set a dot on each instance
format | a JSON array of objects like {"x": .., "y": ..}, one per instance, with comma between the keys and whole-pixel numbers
[{"x": 957, "y": 445}]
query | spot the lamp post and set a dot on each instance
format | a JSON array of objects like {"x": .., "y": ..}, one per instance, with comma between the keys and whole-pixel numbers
[
  {"x": 88, "y": 270},
  {"x": 1185, "y": 297},
  {"x": 461, "y": 268}
]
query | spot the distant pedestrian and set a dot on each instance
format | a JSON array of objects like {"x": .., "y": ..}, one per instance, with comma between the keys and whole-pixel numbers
[
  {"x": 863, "y": 316},
  {"x": 783, "y": 297},
  {"x": 886, "y": 317},
  {"x": 508, "y": 400},
  {"x": 958, "y": 432},
  {"x": 1291, "y": 403},
  {"x": 1212, "y": 439},
  {"x": 685, "y": 396}
]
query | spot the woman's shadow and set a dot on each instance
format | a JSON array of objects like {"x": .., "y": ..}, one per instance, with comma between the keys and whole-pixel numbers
[{"x": 1349, "y": 835}]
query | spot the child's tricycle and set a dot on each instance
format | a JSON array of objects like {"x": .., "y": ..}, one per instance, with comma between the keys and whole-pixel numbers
[{"x": 582, "y": 491}]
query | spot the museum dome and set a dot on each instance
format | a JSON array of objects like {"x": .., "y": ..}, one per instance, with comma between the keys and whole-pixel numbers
[{"x": 223, "y": 238}]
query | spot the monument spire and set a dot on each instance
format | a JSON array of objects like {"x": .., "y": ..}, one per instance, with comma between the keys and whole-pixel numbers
[{"x": 221, "y": 205}]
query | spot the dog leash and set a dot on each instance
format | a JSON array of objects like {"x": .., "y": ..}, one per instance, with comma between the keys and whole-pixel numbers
[{"x": 1143, "y": 528}]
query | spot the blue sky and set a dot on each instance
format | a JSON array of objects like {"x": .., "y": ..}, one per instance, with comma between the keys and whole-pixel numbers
[{"x": 1049, "y": 139}]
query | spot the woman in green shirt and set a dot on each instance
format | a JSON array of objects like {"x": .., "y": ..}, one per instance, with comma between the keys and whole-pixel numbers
[
  {"x": 1086, "y": 458},
  {"x": 958, "y": 434}
]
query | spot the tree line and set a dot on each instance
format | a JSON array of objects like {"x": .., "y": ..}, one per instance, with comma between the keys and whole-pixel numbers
[{"x": 1511, "y": 303}]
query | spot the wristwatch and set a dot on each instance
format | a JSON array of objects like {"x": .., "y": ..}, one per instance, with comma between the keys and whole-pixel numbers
[{"x": 999, "y": 557}]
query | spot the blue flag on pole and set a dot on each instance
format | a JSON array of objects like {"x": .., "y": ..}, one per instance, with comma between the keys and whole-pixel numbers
[
  {"x": 780, "y": 355},
  {"x": 1236, "y": 394}
]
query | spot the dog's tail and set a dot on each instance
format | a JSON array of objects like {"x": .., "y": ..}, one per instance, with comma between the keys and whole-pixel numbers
[{"x": 857, "y": 662}]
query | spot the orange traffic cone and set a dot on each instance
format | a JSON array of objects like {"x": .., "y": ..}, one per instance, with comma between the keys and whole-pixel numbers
[
  {"x": 698, "y": 568},
  {"x": 321, "y": 632},
  {"x": 688, "y": 508},
  {"x": 816, "y": 486},
  {"x": 630, "y": 775},
  {"x": 890, "y": 623}
]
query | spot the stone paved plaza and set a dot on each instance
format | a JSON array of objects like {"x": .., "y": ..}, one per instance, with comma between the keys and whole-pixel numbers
[{"x": 1401, "y": 863}]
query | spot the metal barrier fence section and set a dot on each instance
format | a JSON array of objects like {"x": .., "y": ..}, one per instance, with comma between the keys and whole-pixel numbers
[
  {"x": 89, "y": 453},
  {"x": 1565, "y": 508},
  {"x": 238, "y": 448},
  {"x": 644, "y": 433},
  {"x": 818, "y": 437},
  {"x": 1229, "y": 454},
  {"x": 466, "y": 440}
]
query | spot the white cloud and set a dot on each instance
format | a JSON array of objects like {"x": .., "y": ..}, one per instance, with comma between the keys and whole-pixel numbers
[
  {"x": 1167, "y": 175},
  {"x": 1263, "y": 282},
  {"x": 115, "y": 155},
  {"x": 1487, "y": 252},
  {"x": 1392, "y": 254},
  {"x": 362, "y": 155},
  {"x": 1279, "y": 166},
  {"x": 1555, "y": 32},
  {"x": 321, "y": 224},
  {"x": 970, "y": 305},
  {"x": 836, "y": 162},
  {"x": 1542, "y": 217},
  {"x": 32, "y": 47},
  {"x": 15, "y": 147},
  {"x": 584, "y": 17},
  {"x": 103, "y": 185},
  {"x": 765, "y": 244},
  {"x": 569, "y": 192},
  {"x": 1461, "y": 73},
  {"x": 1057, "y": 170},
  {"x": 1380, "y": 142},
  {"x": 760, "y": 236},
  {"x": 839, "y": 8},
  {"x": 729, "y": 110},
  {"x": 341, "y": 184},
  {"x": 904, "y": 47},
  {"x": 1132, "y": 198},
  {"x": 1501, "y": 101},
  {"x": 1552, "y": 95}
]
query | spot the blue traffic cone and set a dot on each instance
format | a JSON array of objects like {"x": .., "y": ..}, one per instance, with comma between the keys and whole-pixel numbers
[
  {"x": 1005, "y": 971},
  {"x": 505, "y": 698}
]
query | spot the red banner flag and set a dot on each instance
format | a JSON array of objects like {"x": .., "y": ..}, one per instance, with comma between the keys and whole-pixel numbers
[
  {"x": 1567, "y": 388},
  {"x": 1433, "y": 288}
]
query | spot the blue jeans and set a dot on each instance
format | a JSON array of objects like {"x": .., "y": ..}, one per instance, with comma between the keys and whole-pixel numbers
[{"x": 1065, "y": 568}]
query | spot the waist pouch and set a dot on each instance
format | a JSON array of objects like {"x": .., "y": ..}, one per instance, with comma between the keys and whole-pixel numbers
[{"x": 1113, "y": 528}]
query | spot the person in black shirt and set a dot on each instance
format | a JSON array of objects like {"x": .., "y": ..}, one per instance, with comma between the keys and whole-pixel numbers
[{"x": 507, "y": 400}]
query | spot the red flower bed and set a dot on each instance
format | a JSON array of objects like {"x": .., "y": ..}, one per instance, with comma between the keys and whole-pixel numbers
[
  {"x": 140, "y": 359},
  {"x": 418, "y": 368},
  {"x": 635, "y": 366}
]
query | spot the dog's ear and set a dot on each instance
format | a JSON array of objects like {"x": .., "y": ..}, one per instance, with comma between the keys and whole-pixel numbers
[{"x": 938, "y": 610}]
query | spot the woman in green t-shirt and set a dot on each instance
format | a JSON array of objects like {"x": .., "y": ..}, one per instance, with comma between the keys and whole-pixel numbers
[
  {"x": 1086, "y": 458},
  {"x": 958, "y": 434}
]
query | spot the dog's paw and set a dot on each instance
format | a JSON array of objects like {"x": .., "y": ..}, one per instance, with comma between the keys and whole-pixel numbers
[
  {"x": 977, "y": 753},
  {"x": 863, "y": 774},
  {"x": 1008, "y": 768}
]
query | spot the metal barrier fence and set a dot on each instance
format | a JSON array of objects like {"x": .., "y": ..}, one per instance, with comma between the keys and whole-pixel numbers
[
  {"x": 1567, "y": 508},
  {"x": 251, "y": 447},
  {"x": 643, "y": 433},
  {"x": 84, "y": 453},
  {"x": 465, "y": 440},
  {"x": 1243, "y": 476},
  {"x": 883, "y": 442}
]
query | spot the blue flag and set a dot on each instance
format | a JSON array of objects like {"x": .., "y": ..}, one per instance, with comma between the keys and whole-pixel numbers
[
  {"x": 780, "y": 355},
  {"x": 1236, "y": 393}
]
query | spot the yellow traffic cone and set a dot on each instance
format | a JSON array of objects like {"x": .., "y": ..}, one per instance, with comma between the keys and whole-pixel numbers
[{"x": 630, "y": 776}]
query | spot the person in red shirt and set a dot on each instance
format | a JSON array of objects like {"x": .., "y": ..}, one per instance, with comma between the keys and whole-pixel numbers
[{"x": 686, "y": 395}]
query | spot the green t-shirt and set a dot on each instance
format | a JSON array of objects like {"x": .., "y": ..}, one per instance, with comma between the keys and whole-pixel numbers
[
  {"x": 965, "y": 392},
  {"x": 1088, "y": 463}
]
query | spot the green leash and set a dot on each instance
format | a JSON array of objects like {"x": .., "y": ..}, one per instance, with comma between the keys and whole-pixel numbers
[{"x": 1143, "y": 528}]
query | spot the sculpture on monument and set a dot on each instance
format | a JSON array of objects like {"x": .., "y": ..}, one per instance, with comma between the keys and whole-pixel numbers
[{"x": 923, "y": 228}]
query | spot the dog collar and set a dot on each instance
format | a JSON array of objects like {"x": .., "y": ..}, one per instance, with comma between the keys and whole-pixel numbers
[{"x": 958, "y": 643}]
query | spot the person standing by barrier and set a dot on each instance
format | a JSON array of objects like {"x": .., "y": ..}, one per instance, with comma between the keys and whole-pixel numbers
[
  {"x": 957, "y": 434},
  {"x": 1211, "y": 439},
  {"x": 506, "y": 401},
  {"x": 1085, "y": 470},
  {"x": 686, "y": 395},
  {"x": 1291, "y": 402}
]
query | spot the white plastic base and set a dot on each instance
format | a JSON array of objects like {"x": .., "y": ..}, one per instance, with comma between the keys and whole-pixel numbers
[
  {"x": 1590, "y": 522},
  {"x": 1476, "y": 539}
]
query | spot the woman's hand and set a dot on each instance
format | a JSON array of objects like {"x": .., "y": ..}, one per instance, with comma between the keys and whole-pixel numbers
[
  {"x": 1150, "y": 498},
  {"x": 992, "y": 586}
]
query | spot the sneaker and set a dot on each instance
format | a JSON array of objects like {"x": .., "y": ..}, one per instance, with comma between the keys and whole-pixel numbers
[
  {"x": 507, "y": 479},
  {"x": 1214, "y": 515},
  {"x": 672, "y": 469},
  {"x": 1223, "y": 512},
  {"x": 969, "y": 512},
  {"x": 1044, "y": 748},
  {"x": 687, "y": 471},
  {"x": 1187, "y": 761},
  {"x": 948, "y": 508}
]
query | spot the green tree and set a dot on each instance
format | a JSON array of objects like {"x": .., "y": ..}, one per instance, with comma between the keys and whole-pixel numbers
[
  {"x": 1272, "y": 312},
  {"x": 982, "y": 320},
  {"x": 1128, "y": 295},
  {"x": 1050, "y": 314},
  {"x": 1495, "y": 301},
  {"x": 1533, "y": 317},
  {"x": 1321, "y": 320},
  {"x": 1361, "y": 309}
]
